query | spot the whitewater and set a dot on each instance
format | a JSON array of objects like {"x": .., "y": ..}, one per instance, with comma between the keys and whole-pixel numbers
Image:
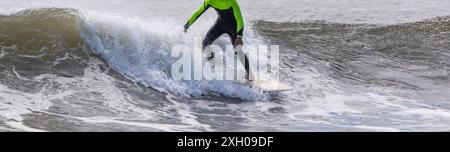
[{"x": 93, "y": 65}]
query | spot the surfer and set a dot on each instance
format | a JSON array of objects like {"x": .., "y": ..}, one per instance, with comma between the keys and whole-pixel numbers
[{"x": 229, "y": 22}]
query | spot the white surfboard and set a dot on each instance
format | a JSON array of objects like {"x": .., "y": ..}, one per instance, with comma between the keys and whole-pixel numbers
[
  {"x": 263, "y": 85},
  {"x": 267, "y": 85}
]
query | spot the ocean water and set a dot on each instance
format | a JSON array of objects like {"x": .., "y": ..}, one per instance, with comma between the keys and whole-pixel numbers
[{"x": 94, "y": 65}]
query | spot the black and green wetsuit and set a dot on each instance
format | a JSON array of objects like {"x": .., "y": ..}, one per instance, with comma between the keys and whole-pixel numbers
[{"x": 229, "y": 21}]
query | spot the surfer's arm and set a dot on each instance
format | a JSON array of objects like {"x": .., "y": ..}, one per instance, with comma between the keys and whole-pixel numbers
[
  {"x": 197, "y": 14},
  {"x": 238, "y": 17}
]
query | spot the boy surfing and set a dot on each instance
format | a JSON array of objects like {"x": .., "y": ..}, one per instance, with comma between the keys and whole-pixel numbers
[{"x": 229, "y": 22}]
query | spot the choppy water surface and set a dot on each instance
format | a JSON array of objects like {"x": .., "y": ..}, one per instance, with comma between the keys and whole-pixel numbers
[{"x": 66, "y": 68}]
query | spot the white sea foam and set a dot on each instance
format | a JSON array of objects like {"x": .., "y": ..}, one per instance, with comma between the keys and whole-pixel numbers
[
  {"x": 141, "y": 51},
  {"x": 136, "y": 40}
]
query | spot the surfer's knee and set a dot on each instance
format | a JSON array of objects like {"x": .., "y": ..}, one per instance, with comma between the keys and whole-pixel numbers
[{"x": 205, "y": 43}]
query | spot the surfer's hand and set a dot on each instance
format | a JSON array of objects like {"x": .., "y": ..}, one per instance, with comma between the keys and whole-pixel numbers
[
  {"x": 186, "y": 26},
  {"x": 238, "y": 41}
]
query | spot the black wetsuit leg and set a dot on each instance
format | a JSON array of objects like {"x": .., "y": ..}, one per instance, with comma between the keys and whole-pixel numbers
[
  {"x": 213, "y": 34},
  {"x": 231, "y": 31},
  {"x": 219, "y": 28}
]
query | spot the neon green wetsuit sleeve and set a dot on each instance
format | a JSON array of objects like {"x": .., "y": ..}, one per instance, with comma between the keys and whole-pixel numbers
[
  {"x": 238, "y": 16},
  {"x": 197, "y": 14}
]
